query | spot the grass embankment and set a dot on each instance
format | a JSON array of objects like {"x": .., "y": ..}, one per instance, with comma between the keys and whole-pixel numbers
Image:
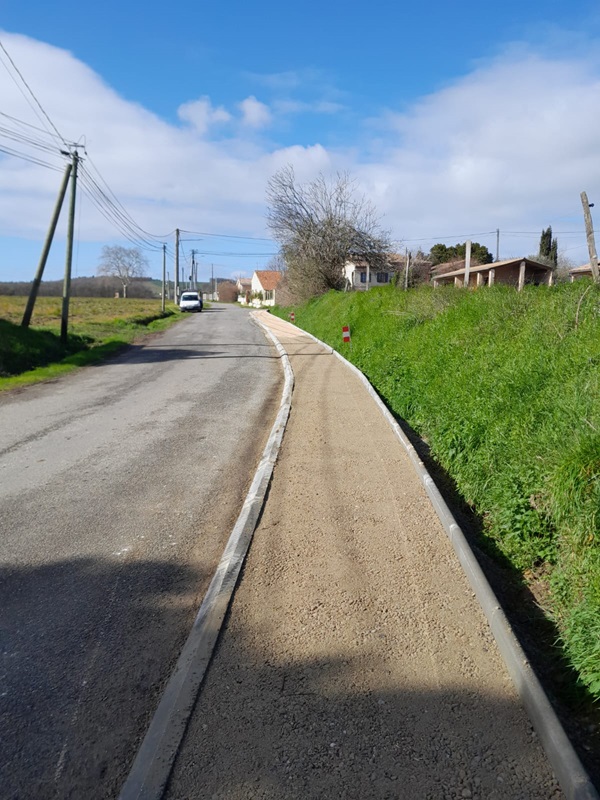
[
  {"x": 97, "y": 328},
  {"x": 505, "y": 388}
]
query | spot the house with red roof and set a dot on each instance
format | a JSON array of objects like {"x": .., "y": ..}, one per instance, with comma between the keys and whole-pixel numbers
[{"x": 264, "y": 286}]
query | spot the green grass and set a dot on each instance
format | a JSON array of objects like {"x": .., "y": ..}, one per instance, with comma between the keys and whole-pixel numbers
[
  {"x": 505, "y": 388},
  {"x": 98, "y": 327}
]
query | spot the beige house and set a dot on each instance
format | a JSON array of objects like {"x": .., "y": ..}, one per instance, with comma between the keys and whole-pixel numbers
[
  {"x": 580, "y": 272},
  {"x": 359, "y": 277},
  {"x": 244, "y": 288},
  {"x": 515, "y": 272},
  {"x": 265, "y": 281}
]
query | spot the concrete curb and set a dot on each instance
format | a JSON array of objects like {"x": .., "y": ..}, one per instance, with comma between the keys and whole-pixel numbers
[
  {"x": 152, "y": 766},
  {"x": 569, "y": 771}
]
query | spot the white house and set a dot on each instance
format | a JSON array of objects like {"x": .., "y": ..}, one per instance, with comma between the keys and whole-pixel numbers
[
  {"x": 360, "y": 277},
  {"x": 264, "y": 283}
]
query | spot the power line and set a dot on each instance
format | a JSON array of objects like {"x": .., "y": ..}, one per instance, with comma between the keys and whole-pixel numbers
[
  {"x": 32, "y": 159},
  {"x": 122, "y": 207},
  {"x": 446, "y": 238},
  {"x": 29, "y": 89},
  {"x": 225, "y": 236}
]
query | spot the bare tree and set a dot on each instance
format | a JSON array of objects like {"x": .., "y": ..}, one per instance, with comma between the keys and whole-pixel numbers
[
  {"x": 124, "y": 263},
  {"x": 277, "y": 263},
  {"x": 319, "y": 226}
]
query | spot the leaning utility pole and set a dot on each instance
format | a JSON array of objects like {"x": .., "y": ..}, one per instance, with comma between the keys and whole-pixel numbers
[
  {"x": 164, "y": 275},
  {"x": 64, "y": 320},
  {"x": 591, "y": 242},
  {"x": 44, "y": 257},
  {"x": 176, "y": 287}
]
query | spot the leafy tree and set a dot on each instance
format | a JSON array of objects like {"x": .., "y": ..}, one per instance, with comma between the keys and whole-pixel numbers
[
  {"x": 319, "y": 226},
  {"x": 548, "y": 250},
  {"x": 124, "y": 263},
  {"x": 441, "y": 254}
]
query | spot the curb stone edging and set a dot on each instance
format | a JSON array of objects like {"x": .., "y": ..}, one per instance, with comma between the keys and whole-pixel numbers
[
  {"x": 568, "y": 769},
  {"x": 151, "y": 768}
]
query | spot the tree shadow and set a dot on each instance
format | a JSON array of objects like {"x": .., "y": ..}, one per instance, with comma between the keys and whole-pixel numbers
[
  {"x": 87, "y": 646},
  {"x": 265, "y": 727}
]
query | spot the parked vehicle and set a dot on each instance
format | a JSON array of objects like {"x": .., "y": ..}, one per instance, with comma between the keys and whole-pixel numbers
[{"x": 190, "y": 301}]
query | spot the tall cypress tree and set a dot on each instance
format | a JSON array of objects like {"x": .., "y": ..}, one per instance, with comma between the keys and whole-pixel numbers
[{"x": 549, "y": 246}]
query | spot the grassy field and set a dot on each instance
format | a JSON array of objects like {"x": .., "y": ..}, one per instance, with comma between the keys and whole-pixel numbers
[
  {"x": 97, "y": 328},
  {"x": 505, "y": 388}
]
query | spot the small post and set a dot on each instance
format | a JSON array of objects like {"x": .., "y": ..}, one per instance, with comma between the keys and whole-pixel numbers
[
  {"x": 467, "y": 263},
  {"x": 521, "y": 276},
  {"x": 406, "y": 269},
  {"x": 591, "y": 242}
]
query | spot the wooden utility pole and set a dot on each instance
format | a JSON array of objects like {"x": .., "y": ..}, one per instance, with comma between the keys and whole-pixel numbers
[
  {"x": 176, "y": 288},
  {"x": 164, "y": 276},
  {"x": 497, "y": 244},
  {"x": 64, "y": 320},
  {"x": 193, "y": 273},
  {"x": 44, "y": 257},
  {"x": 591, "y": 242},
  {"x": 406, "y": 269}
]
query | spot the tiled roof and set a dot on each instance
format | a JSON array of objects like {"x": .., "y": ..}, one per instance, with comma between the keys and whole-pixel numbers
[
  {"x": 584, "y": 269},
  {"x": 269, "y": 278},
  {"x": 458, "y": 267}
]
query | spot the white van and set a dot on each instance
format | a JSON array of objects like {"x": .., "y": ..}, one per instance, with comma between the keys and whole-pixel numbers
[{"x": 190, "y": 301}]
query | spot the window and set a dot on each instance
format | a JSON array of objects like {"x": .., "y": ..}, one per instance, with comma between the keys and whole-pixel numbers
[
  {"x": 383, "y": 277},
  {"x": 268, "y": 294},
  {"x": 363, "y": 277}
]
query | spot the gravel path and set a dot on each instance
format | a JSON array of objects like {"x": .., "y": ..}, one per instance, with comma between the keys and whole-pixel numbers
[{"x": 355, "y": 662}]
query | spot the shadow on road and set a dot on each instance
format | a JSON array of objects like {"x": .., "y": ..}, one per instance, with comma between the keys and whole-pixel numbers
[{"x": 87, "y": 645}]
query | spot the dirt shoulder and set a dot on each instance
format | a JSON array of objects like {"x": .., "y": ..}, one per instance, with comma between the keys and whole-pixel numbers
[{"x": 355, "y": 661}]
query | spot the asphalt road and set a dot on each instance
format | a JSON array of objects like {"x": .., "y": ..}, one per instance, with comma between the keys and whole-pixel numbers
[{"x": 119, "y": 486}]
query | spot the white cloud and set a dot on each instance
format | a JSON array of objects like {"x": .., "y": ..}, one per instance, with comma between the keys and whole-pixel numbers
[
  {"x": 254, "y": 113},
  {"x": 511, "y": 146},
  {"x": 201, "y": 114}
]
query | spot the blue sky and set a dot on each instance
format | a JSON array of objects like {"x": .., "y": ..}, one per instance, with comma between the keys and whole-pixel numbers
[{"x": 455, "y": 119}]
